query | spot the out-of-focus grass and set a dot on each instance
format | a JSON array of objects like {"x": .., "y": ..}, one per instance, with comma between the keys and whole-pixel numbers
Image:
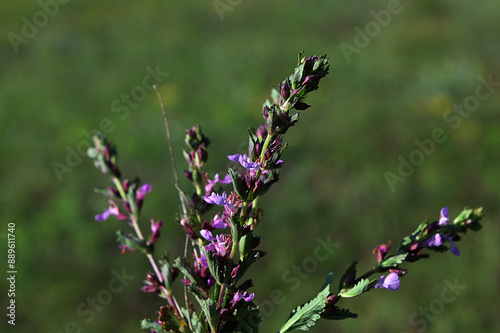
[{"x": 367, "y": 112}]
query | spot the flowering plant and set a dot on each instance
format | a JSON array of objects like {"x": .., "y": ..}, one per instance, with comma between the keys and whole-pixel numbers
[{"x": 222, "y": 246}]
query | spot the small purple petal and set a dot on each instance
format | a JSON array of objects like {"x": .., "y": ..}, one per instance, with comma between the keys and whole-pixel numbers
[
  {"x": 143, "y": 190},
  {"x": 225, "y": 180},
  {"x": 390, "y": 282},
  {"x": 234, "y": 158},
  {"x": 218, "y": 223},
  {"x": 244, "y": 161},
  {"x": 210, "y": 199},
  {"x": 146, "y": 188},
  {"x": 203, "y": 260},
  {"x": 155, "y": 229},
  {"x": 215, "y": 199},
  {"x": 443, "y": 220},
  {"x": 242, "y": 296},
  {"x": 211, "y": 247},
  {"x": 211, "y": 281},
  {"x": 435, "y": 240},
  {"x": 250, "y": 165},
  {"x": 207, "y": 235},
  {"x": 249, "y": 297},
  {"x": 453, "y": 247},
  {"x": 455, "y": 250},
  {"x": 102, "y": 217}
]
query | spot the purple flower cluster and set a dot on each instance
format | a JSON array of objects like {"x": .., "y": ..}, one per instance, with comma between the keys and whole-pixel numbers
[
  {"x": 439, "y": 236},
  {"x": 221, "y": 247}
]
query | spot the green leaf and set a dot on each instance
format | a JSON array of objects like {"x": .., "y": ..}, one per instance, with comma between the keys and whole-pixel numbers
[
  {"x": 213, "y": 265},
  {"x": 358, "y": 289},
  {"x": 147, "y": 324},
  {"x": 246, "y": 319},
  {"x": 469, "y": 214},
  {"x": 274, "y": 95},
  {"x": 209, "y": 308},
  {"x": 239, "y": 184},
  {"x": 305, "y": 316},
  {"x": 132, "y": 194},
  {"x": 166, "y": 271},
  {"x": 172, "y": 321},
  {"x": 196, "y": 323},
  {"x": 133, "y": 242},
  {"x": 393, "y": 261},
  {"x": 185, "y": 267},
  {"x": 338, "y": 314},
  {"x": 348, "y": 277}
]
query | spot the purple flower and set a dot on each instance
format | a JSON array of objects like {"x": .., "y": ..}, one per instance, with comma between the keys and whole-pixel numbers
[
  {"x": 242, "y": 295},
  {"x": 381, "y": 251},
  {"x": 104, "y": 216},
  {"x": 390, "y": 282},
  {"x": 221, "y": 244},
  {"x": 125, "y": 248},
  {"x": 435, "y": 240},
  {"x": 219, "y": 222},
  {"x": 112, "y": 210},
  {"x": 207, "y": 234},
  {"x": 203, "y": 260},
  {"x": 152, "y": 284},
  {"x": 143, "y": 190},
  {"x": 211, "y": 183},
  {"x": 443, "y": 219},
  {"x": 220, "y": 200},
  {"x": 453, "y": 247},
  {"x": 155, "y": 229},
  {"x": 244, "y": 161}
]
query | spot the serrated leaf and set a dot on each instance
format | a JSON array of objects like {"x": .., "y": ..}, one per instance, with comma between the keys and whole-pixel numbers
[
  {"x": 338, "y": 314},
  {"x": 305, "y": 316},
  {"x": 246, "y": 319},
  {"x": 197, "y": 325},
  {"x": 358, "y": 289},
  {"x": 394, "y": 260},
  {"x": 210, "y": 311},
  {"x": 172, "y": 321},
  {"x": 147, "y": 324}
]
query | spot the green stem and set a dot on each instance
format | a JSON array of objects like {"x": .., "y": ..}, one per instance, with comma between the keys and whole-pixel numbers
[
  {"x": 264, "y": 148},
  {"x": 119, "y": 187}
]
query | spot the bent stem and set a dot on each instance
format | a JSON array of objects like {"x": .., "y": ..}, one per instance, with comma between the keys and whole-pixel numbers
[{"x": 183, "y": 204}]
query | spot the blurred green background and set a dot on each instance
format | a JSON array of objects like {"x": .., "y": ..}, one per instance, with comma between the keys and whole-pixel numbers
[{"x": 63, "y": 78}]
